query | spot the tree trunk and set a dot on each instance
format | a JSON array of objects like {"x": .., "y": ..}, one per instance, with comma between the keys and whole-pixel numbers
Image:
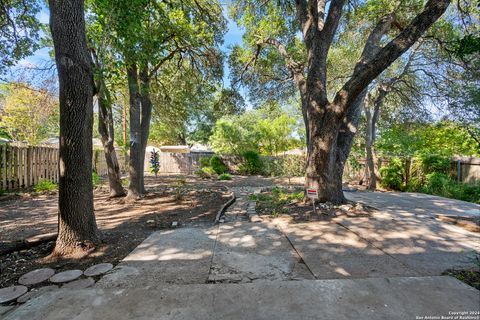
[
  {"x": 372, "y": 179},
  {"x": 135, "y": 188},
  {"x": 140, "y": 116},
  {"x": 106, "y": 130},
  {"x": 77, "y": 229},
  {"x": 146, "y": 115},
  {"x": 321, "y": 157}
]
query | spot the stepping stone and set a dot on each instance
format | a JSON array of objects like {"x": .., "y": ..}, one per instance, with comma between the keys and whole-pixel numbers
[
  {"x": 66, "y": 276},
  {"x": 79, "y": 284},
  {"x": 36, "y": 276},
  {"x": 35, "y": 293},
  {"x": 11, "y": 293},
  {"x": 98, "y": 269}
]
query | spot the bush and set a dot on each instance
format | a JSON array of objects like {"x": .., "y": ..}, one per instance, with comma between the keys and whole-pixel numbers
[
  {"x": 45, "y": 185},
  {"x": 436, "y": 183},
  {"x": 434, "y": 163},
  {"x": 441, "y": 184},
  {"x": 251, "y": 163},
  {"x": 392, "y": 175},
  {"x": 217, "y": 164},
  {"x": 95, "y": 179},
  {"x": 206, "y": 172},
  {"x": 225, "y": 176},
  {"x": 204, "y": 162}
]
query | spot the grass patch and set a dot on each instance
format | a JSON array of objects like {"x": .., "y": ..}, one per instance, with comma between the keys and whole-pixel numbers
[
  {"x": 277, "y": 200},
  {"x": 45, "y": 185}
]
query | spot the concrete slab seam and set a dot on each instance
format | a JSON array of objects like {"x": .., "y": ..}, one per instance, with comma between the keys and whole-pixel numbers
[{"x": 296, "y": 251}]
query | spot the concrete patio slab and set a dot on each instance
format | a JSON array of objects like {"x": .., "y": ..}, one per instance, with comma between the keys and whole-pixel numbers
[
  {"x": 362, "y": 299},
  {"x": 176, "y": 256},
  {"x": 416, "y": 203},
  {"x": 428, "y": 246},
  {"x": 333, "y": 252},
  {"x": 247, "y": 252}
]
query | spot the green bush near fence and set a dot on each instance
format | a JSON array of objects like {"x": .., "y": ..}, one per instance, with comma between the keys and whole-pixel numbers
[
  {"x": 204, "y": 162},
  {"x": 430, "y": 174},
  {"x": 392, "y": 175},
  {"x": 251, "y": 163},
  {"x": 217, "y": 164},
  {"x": 443, "y": 185},
  {"x": 45, "y": 186}
]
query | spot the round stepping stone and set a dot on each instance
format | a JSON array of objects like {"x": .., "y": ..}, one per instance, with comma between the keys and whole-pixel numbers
[
  {"x": 35, "y": 293},
  {"x": 66, "y": 276},
  {"x": 98, "y": 269},
  {"x": 11, "y": 293},
  {"x": 79, "y": 284},
  {"x": 36, "y": 276}
]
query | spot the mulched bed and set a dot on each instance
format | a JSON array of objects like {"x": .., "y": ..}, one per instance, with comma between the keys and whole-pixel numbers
[
  {"x": 122, "y": 225},
  {"x": 289, "y": 202}
]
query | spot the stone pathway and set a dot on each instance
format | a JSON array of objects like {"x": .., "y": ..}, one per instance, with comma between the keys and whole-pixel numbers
[{"x": 238, "y": 211}]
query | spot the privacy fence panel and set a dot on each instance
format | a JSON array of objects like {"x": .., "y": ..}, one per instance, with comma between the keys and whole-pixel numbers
[{"x": 21, "y": 167}]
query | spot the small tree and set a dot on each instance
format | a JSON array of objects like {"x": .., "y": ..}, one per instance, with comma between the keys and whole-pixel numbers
[{"x": 155, "y": 162}]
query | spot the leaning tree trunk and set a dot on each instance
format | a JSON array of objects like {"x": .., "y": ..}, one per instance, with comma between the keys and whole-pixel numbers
[
  {"x": 106, "y": 130},
  {"x": 77, "y": 229}
]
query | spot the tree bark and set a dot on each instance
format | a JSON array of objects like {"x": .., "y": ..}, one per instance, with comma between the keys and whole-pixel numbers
[
  {"x": 77, "y": 229},
  {"x": 107, "y": 134},
  {"x": 135, "y": 187},
  {"x": 370, "y": 137},
  {"x": 140, "y": 116}
]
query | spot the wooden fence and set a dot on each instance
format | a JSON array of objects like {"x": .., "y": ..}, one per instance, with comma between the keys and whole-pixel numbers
[
  {"x": 24, "y": 166},
  {"x": 21, "y": 167}
]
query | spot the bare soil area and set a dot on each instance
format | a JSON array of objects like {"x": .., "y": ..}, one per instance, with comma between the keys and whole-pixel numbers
[{"x": 122, "y": 225}]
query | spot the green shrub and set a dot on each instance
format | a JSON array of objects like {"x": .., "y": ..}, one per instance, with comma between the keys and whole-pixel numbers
[
  {"x": 95, "y": 179},
  {"x": 206, "y": 172},
  {"x": 225, "y": 176},
  {"x": 441, "y": 184},
  {"x": 45, "y": 185},
  {"x": 217, "y": 164},
  {"x": 434, "y": 163},
  {"x": 436, "y": 183},
  {"x": 204, "y": 162},
  {"x": 392, "y": 175},
  {"x": 251, "y": 163}
]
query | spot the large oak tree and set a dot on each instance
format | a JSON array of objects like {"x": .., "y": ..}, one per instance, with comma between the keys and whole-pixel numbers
[{"x": 331, "y": 118}]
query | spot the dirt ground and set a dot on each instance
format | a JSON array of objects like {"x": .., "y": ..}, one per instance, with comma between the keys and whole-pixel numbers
[{"x": 123, "y": 226}]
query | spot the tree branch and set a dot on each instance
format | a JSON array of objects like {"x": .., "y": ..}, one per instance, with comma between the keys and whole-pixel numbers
[{"x": 367, "y": 71}]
